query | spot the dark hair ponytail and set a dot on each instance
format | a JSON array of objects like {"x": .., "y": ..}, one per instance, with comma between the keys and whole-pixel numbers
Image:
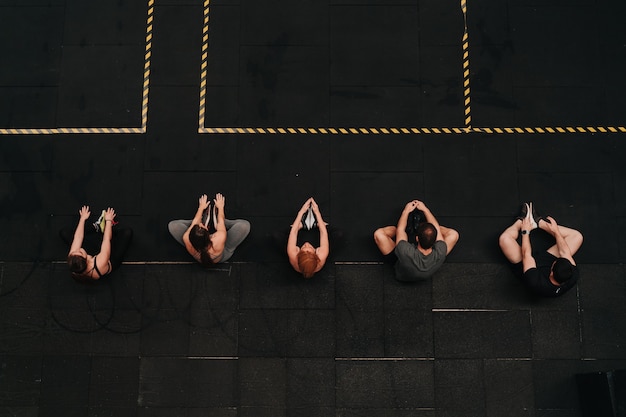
[{"x": 201, "y": 241}]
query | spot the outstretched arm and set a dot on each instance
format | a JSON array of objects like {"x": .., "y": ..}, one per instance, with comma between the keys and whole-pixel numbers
[
  {"x": 324, "y": 248},
  {"x": 528, "y": 261},
  {"x": 401, "y": 227},
  {"x": 292, "y": 240},
  {"x": 430, "y": 218},
  {"x": 105, "y": 248},
  {"x": 79, "y": 233},
  {"x": 203, "y": 203},
  {"x": 218, "y": 239}
]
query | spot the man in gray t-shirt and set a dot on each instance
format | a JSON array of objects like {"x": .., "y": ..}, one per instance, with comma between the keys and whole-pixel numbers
[{"x": 420, "y": 259}]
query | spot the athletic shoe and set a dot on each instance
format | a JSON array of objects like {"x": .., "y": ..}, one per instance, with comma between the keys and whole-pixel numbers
[
  {"x": 536, "y": 217},
  {"x": 100, "y": 223},
  {"x": 524, "y": 212},
  {"x": 531, "y": 215}
]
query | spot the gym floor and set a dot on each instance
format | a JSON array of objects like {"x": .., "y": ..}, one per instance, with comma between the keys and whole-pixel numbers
[{"x": 473, "y": 108}]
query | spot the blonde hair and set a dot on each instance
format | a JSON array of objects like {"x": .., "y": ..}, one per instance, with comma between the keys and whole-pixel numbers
[{"x": 307, "y": 262}]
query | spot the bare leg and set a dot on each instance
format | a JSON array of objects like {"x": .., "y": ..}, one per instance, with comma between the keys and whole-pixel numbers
[
  {"x": 450, "y": 236},
  {"x": 573, "y": 238},
  {"x": 508, "y": 243},
  {"x": 385, "y": 239}
]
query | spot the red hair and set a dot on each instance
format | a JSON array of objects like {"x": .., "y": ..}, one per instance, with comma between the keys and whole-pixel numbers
[{"x": 307, "y": 262}]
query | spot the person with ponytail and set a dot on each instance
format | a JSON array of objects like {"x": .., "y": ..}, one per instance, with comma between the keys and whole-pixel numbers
[{"x": 211, "y": 240}]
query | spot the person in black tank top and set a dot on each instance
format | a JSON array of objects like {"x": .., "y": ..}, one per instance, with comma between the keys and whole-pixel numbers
[{"x": 110, "y": 247}]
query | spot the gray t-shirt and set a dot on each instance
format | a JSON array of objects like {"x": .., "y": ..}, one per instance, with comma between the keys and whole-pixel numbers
[{"x": 413, "y": 265}]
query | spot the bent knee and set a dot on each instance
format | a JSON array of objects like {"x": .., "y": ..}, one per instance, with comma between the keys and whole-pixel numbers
[
  {"x": 579, "y": 236},
  {"x": 504, "y": 240},
  {"x": 452, "y": 236},
  {"x": 126, "y": 232},
  {"x": 577, "y": 239},
  {"x": 172, "y": 226},
  {"x": 380, "y": 235},
  {"x": 243, "y": 226}
]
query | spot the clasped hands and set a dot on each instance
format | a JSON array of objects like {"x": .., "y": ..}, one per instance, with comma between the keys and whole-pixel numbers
[{"x": 414, "y": 204}]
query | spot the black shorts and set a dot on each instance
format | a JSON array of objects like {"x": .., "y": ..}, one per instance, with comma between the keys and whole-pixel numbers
[
  {"x": 390, "y": 258},
  {"x": 532, "y": 278},
  {"x": 518, "y": 270}
]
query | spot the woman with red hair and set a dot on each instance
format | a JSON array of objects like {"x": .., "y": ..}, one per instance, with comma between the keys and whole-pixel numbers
[{"x": 304, "y": 257}]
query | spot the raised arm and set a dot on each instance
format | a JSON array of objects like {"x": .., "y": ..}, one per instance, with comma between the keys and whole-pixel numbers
[
  {"x": 324, "y": 248},
  {"x": 104, "y": 256},
  {"x": 430, "y": 218},
  {"x": 292, "y": 240},
  {"x": 218, "y": 239},
  {"x": 528, "y": 261},
  {"x": 79, "y": 233},
  {"x": 203, "y": 203},
  {"x": 401, "y": 227}
]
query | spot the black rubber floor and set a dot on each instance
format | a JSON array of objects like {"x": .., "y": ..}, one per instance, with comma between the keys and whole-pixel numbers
[{"x": 364, "y": 105}]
